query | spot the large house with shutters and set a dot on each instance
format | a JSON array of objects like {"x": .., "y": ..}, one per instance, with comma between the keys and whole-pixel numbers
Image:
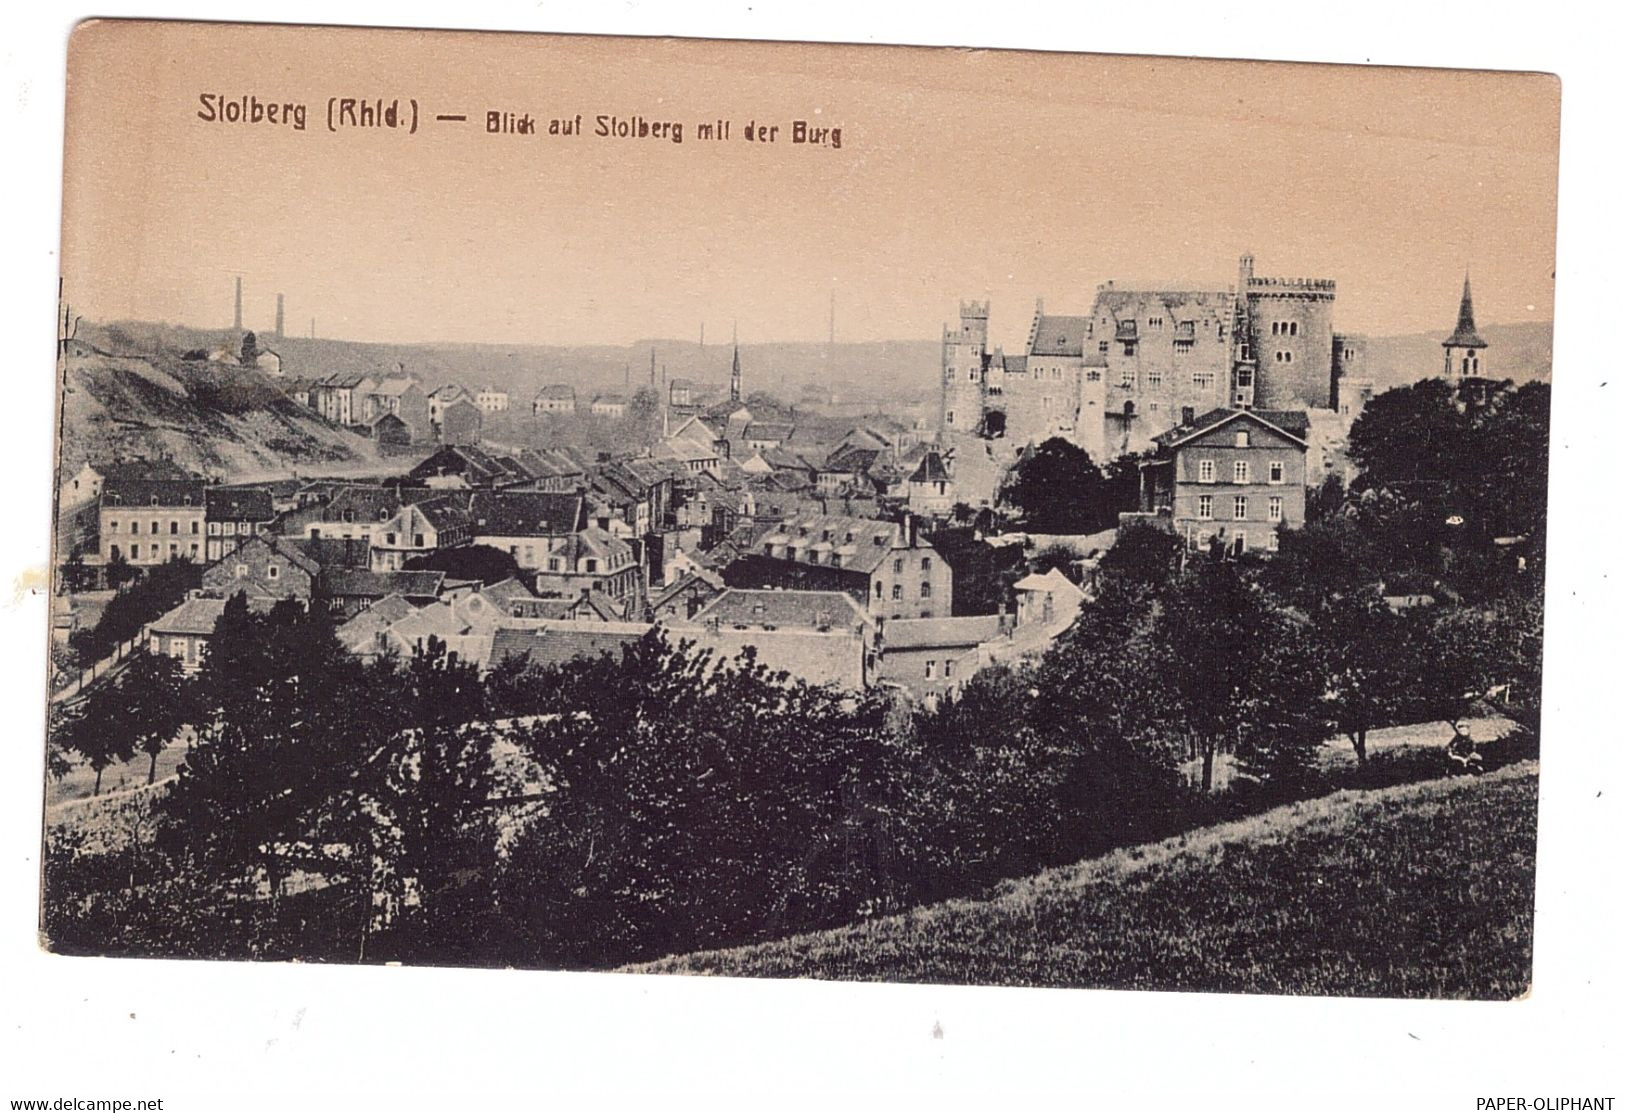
[
  {"x": 149, "y": 516},
  {"x": 1231, "y": 477},
  {"x": 885, "y": 566}
]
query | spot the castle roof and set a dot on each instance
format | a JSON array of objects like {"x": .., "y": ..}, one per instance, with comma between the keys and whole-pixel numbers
[
  {"x": 1058, "y": 336},
  {"x": 931, "y": 469},
  {"x": 1466, "y": 334}
]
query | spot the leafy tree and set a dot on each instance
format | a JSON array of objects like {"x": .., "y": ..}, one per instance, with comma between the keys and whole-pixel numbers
[
  {"x": 1062, "y": 556},
  {"x": 119, "y": 571},
  {"x": 94, "y": 729},
  {"x": 1058, "y": 489},
  {"x": 156, "y": 704},
  {"x": 1221, "y": 658},
  {"x": 685, "y": 791},
  {"x": 485, "y": 563},
  {"x": 1143, "y": 554},
  {"x": 1366, "y": 656},
  {"x": 160, "y": 590}
]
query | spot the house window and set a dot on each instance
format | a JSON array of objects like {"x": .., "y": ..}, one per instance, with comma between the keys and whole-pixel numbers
[
  {"x": 930, "y": 670},
  {"x": 1241, "y": 542},
  {"x": 897, "y": 565},
  {"x": 194, "y": 527},
  {"x": 112, "y": 527},
  {"x": 880, "y": 591},
  {"x": 947, "y": 669},
  {"x": 592, "y": 565},
  {"x": 154, "y": 528},
  {"x": 242, "y": 571},
  {"x": 174, "y": 549},
  {"x": 1243, "y": 474},
  {"x": 272, "y": 572},
  {"x": 925, "y": 564},
  {"x": 1275, "y": 508},
  {"x": 1277, "y": 472},
  {"x": 1239, "y": 508},
  {"x": 1204, "y": 507},
  {"x": 896, "y": 591},
  {"x": 417, "y": 540},
  {"x": 925, "y": 590},
  {"x": 1204, "y": 471},
  {"x": 194, "y": 548},
  {"x": 1243, "y": 439},
  {"x": 214, "y": 529},
  {"x": 1273, "y": 542}
]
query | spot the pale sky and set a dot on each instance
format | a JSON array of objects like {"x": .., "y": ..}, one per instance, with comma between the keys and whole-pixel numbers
[{"x": 983, "y": 174}]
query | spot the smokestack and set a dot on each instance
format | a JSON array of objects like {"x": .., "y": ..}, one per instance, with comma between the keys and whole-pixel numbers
[
  {"x": 237, "y": 318},
  {"x": 279, "y": 316}
]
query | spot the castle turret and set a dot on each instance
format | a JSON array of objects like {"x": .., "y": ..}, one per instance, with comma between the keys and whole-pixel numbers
[
  {"x": 1464, "y": 349},
  {"x": 964, "y": 359}
]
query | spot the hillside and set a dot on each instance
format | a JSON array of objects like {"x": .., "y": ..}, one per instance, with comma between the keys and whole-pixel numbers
[
  {"x": 1423, "y": 890},
  {"x": 1517, "y": 352},
  {"x": 214, "y": 420}
]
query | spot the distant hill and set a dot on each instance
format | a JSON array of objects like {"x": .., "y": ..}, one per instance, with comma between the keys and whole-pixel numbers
[
  {"x": 1354, "y": 894},
  {"x": 886, "y": 371},
  {"x": 890, "y": 375},
  {"x": 216, "y": 420},
  {"x": 1518, "y": 352}
]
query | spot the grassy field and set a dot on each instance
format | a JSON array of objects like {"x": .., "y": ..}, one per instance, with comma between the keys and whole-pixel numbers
[{"x": 1425, "y": 890}]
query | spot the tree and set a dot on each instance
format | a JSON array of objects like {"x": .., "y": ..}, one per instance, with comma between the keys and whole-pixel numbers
[
  {"x": 251, "y": 348},
  {"x": 1144, "y": 554},
  {"x": 155, "y": 704},
  {"x": 93, "y": 728},
  {"x": 1218, "y": 651},
  {"x": 162, "y": 588},
  {"x": 1058, "y": 489},
  {"x": 484, "y": 563},
  {"x": 1366, "y": 656}
]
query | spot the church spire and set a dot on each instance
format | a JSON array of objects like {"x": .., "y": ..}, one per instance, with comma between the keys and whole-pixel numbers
[
  {"x": 1466, "y": 334},
  {"x": 736, "y": 385},
  {"x": 1463, "y": 351}
]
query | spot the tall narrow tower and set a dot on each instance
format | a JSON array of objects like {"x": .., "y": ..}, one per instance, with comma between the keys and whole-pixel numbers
[
  {"x": 1464, "y": 350},
  {"x": 736, "y": 384},
  {"x": 237, "y": 318},
  {"x": 279, "y": 316}
]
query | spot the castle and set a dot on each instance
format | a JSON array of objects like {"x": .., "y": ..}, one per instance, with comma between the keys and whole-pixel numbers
[{"x": 1143, "y": 361}]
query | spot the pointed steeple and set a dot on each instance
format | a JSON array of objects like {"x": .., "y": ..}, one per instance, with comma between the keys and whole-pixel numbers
[
  {"x": 736, "y": 385},
  {"x": 1466, "y": 334}
]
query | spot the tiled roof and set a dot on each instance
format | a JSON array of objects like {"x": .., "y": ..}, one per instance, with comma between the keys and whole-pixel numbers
[
  {"x": 332, "y": 553},
  {"x": 861, "y": 543},
  {"x": 121, "y": 490},
  {"x": 141, "y": 469},
  {"x": 557, "y": 392},
  {"x": 362, "y": 583},
  {"x": 817, "y": 610},
  {"x": 1294, "y": 423},
  {"x": 525, "y": 513},
  {"x": 557, "y": 643},
  {"x": 505, "y": 591},
  {"x": 923, "y": 633},
  {"x": 1052, "y": 580},
  {"x": 194, "y": 616},
  {"x": 1059, "y": 336},
  {"x": 249, "y": 504},
  {"x": 362, "y": 504},
  {"x": 372, "y": 621},
  {"x": 769, "y": 431},
  {"x": 393, "y": 386},
  {"x": 931, "y": 470}
]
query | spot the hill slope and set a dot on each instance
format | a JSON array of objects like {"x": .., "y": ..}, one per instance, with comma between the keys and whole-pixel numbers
[
  {"x": 221, "y": 421},
  {"x": 1424, "y": 890}
]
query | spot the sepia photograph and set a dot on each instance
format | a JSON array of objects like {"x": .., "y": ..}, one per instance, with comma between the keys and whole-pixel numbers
[{"x": 781, "y": 510}]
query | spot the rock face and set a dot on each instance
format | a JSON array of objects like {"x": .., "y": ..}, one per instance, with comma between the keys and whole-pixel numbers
[{"x": 211, "y": 419}]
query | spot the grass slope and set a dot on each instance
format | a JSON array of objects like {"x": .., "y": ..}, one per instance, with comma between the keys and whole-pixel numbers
[{"x": 1425, "y": 890}]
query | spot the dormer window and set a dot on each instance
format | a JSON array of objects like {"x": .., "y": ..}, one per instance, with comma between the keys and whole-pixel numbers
[
  {"x": 154, "y": 500},
  {"x": 1243, "y": 439}
]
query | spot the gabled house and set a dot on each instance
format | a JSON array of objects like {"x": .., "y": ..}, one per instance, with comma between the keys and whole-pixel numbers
[
  {"x": 556, "y": 398},
  {"x": 887, "y": 566},
  {"x": 527, "y": 525},
  {"x": 234, "y": 514},
  {"x": 263, "y": 567},
  {"x": 149, "y": 515},
  {"x": 419, "y": 529},
  {"x": 1230, "y": 477}
]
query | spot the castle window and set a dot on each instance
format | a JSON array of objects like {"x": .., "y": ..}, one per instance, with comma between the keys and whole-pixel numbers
[
  {"x": 1127, "y": 379},
  {"x": 1128, "y": 347},
  {"x": 896, "y": 591},
  {"x": 949, "y": 374},
  {"x": 1202, "y": 380},
  {"x": 1153, "y": 376},
  {"x": 1204, "y": 507},
  {"x": 1105, "y": 346},
  {"x": 1293, "y": 329},
  {"x": 1094, "y": 376},
  {"x": 1153, "y": 323},
  {"x": 1183, "y": 346}
]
